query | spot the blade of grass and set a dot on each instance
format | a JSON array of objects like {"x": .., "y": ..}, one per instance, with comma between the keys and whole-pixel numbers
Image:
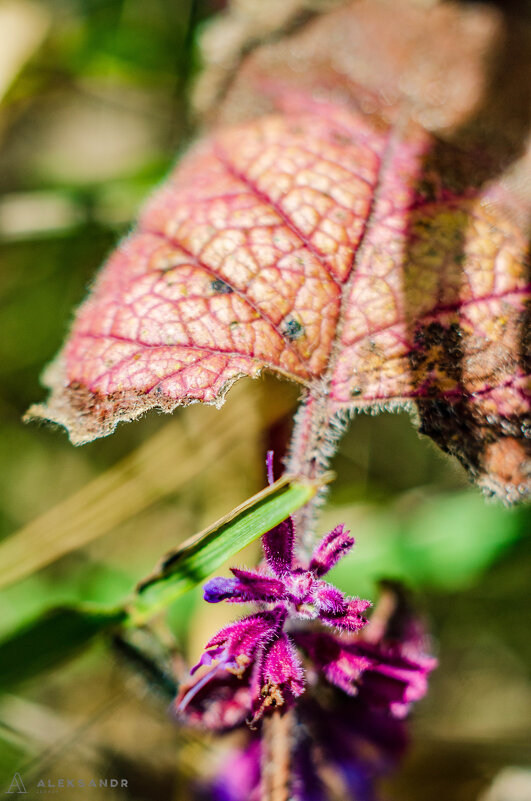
[
  {"x": 61, "y": 632},
  {"x": 199, "y": 557}
]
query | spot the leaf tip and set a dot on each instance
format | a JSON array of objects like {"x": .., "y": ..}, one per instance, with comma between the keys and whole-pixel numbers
[{"x": 507, "y": 466}]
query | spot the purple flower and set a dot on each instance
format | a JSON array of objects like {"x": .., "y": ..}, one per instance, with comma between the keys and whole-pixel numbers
[
  {"x": 252, "y": 666},
  {"x": 257, "y": 648},
  {"x": 344, "y": 743}
]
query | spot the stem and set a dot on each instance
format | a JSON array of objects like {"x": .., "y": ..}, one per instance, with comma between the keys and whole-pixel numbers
[
  {"x": 277, "y": 737},
  {"x": 316, "y": 432}
]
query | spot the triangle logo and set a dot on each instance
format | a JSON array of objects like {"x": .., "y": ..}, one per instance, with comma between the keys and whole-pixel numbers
[{"x": 17, "y": 785}]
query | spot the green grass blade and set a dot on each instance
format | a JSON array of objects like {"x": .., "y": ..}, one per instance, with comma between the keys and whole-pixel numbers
[
  {"x": 50, "y": 639},
  {"x": 197, "y": 559},
  {"x": 60, "y": 633}
]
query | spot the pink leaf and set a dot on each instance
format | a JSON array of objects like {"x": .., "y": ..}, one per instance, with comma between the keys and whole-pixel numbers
[{"x": 359, "y": 256}]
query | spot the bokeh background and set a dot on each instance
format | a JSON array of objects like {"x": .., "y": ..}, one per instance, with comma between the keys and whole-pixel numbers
[{"x": 94, "y": 106}]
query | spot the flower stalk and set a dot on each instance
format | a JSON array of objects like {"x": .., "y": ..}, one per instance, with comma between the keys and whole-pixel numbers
[{"x": 277, "y": 745}]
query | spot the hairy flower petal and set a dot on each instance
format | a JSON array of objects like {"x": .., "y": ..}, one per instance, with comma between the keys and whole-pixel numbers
[
  {"x": 280, "y": 677},
  {"x": 247, "y": 586},
  {"x": 278, "y": 547},
  {"x": 331, "y": 549},
  {"x": 339, "y": 664},
  {"x": 278, "y": 542},
  {"x": 237, "y": 643},
  {"x": 352, "y": 619},
  {"x": 330, "y": 600},
  {"x": 393, "y": 680}
]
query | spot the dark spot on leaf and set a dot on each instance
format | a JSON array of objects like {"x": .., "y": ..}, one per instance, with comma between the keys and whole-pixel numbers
[
  {"x": 340, "y": 138},
  {"x": 292, "y": 329},
  {"x": 220, "y": 287}
]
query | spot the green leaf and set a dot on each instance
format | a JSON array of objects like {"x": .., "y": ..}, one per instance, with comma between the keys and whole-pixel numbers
[
  {"x": 51, "y": 639},
  {"x": 198, "y": 558}
]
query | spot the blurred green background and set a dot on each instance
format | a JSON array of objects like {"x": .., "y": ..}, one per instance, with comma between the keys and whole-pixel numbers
[{"x": 93, "y": 108}]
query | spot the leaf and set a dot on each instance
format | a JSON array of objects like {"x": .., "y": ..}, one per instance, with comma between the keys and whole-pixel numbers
[
  {"x": 192, "y": 563},
  {"x": 50, "y": 639},
  {"x": 335, "y": 241}
]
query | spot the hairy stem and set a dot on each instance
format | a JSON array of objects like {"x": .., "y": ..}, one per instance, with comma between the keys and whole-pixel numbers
[
  {"x": 277, "y": 741},
  {"x": 314, "y": 439}
]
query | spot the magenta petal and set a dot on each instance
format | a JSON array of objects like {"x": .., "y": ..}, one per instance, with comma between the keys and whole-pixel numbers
[
  {"x": 395, "y": 681},
  {"x": 332, "y": 547},
  {"x": 352, "y": 619},
  {"x": 220, "y": 697},
  {"x": 281, "y": 665},
  {"x": 280, "y": 677},
  {"x": 330, "y": 600},
  {"x": 278, "y": 547},
  {"x": 243, "y": 638},
  {"x": 337, "y": 662},
  {"x": 382, "y": 677},
  {"x": 264, "y": 588}
]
